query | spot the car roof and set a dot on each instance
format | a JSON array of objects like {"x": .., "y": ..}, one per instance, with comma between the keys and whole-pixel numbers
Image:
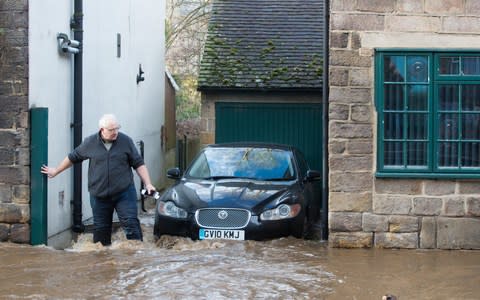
[{"x": 253, "y": 145}]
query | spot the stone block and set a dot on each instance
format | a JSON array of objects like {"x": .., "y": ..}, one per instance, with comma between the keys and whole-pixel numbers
[
  {"x": 439, "y": 187},
  {"x": 207, "y": 138},
  {"x": 351, "y": 182},
  {"x": 21, "y": 194},
  {"x": 5, "y": 193},
  {"x": 461, "y": 24},
  {"x": 350, "y": 95},
  {"x": 349, "y": 58},
  {"x": 396, "y": 240},
  {"x": 336, "y": 147},
  {"x": 361, "y": 113},
  {"x": 473, "y": 206},
  {"x": 444, "y": 7},
  {"x": 359, "y": 147},
  {"x": 356, "y": 42},
  {"x": 398, "y": 224},
  {"x": 469, "y": 187},
  {"x": 361, "y": 77},
  {"x": 472, "y": 7},
  {"x": 22, "y": 120},
  {"x": 350, "y": 202},
  {"x": 4, "y": 232},
  {"x": 356, "y": 22},
  {"x": 398, "y": 186},
  {"x": 428, "y": 233},
  {"x": 14, "y": 213},
  {"x": 350, "y": 130},
  {"x": 410, "y": 6},
  {"x": 338, "y": 77},
  {"x": 339, "y": 5},
  {"x": 374, "y": 223},
  {"x": 453, "y": 207},
  {"x": 458, "y": 233},
  {"x": 338, "y": 40},
  {"x": 350, "y": 239},
  {"x": 348, "y": 163},
  {"x": 22, "y": 157},
  {"x": 413, "y": 23},
  {"x": 17, "y": 38},
  {"x": 381, "y": 6},
  {"x": 9, "y": 138},
  {"x": 338, "y": 111},
  {"x": 14, "y": 5},
  {"x": 20, "y": 233},
  {"x": 15, "y": 175},
  {"x": 7, "y": 156},
  {"x": 423, "y": 206},
  {"x": 392, "y": 205},
  {"x": 208, "y": 109},
  {"x": 7, "y": 120},
  {"x": 345, "y": 221}
]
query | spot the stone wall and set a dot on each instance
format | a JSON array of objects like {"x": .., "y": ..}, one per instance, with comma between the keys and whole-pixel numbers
[
  {"x": 365, "y": 211},
  {"x": 14, "y": 120}
]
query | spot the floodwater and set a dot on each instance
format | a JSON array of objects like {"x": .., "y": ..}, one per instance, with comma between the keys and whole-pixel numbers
[{"x": 178, "y": 268}]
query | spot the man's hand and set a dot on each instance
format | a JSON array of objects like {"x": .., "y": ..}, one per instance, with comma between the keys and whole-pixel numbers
[
  {"x": 150, "y": 189},
  {"x": 50, "y": 172}
]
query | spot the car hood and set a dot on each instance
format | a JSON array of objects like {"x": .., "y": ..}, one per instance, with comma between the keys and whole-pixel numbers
[{"x": 237, "y": 193}]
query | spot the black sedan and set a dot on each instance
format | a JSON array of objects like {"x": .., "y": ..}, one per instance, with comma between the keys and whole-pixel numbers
[{"x": 240, "y": 191}]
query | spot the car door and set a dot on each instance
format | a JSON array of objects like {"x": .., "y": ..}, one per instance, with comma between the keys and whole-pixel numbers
[{"x": 311, "y": 187}]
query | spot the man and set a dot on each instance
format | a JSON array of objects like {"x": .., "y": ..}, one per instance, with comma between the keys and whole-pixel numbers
[{"x": 112, "y": 156}]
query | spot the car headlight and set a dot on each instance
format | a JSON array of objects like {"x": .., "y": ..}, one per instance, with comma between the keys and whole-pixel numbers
[
  {"x": 283, "y": 211},
  {"x": 171, "y": 210}
]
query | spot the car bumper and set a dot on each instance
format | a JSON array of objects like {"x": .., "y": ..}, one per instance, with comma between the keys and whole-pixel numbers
[{"x": 255, "y": 229}]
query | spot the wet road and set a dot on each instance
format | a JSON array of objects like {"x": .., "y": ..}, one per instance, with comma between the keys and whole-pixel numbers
[{"x": 178, "y": 268}]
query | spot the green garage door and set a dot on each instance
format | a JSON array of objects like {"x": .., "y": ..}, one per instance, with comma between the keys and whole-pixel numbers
[{"x": 299, "y": 125}]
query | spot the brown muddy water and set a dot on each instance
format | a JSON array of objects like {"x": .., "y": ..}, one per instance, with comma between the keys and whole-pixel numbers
[{"x": 178, "y": 268}]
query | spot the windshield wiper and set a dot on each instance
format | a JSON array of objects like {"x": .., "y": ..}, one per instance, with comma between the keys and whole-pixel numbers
[
  {"x": 219, "y": 177},
  {"x": 279, "y": 179}
]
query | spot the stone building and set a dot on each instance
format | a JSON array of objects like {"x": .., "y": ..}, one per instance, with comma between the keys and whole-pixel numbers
[
  {"x": 402, "y": 73},
  {"x": 14, "y": 134},
  {"x": 402, "y": 129},
  {"x": 45, "y": 66}
]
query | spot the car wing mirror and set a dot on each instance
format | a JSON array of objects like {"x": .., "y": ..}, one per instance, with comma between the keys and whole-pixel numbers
[
  {"x": 174, "y": 173},
  {"x": 312, "y": 175}
]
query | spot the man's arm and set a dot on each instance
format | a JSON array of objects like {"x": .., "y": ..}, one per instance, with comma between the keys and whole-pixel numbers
[
  {"x": 142, "y": 172},
  {"x": 52, "y": 172}
]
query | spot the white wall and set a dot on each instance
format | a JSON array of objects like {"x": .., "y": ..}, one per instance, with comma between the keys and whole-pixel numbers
[{"x": 109, "y": 83}]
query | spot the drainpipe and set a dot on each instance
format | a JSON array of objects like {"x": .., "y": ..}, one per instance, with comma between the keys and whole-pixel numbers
[
  {"x": 77, "y": 27},
  {"x": 326, "y": 30}
]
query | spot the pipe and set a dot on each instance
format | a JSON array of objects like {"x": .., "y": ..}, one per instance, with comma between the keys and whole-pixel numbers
[
  {"x": 77, "y": 27},
  {"x": 325, "y": 95}
]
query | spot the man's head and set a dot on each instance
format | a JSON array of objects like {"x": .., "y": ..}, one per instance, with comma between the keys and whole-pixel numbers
[{"x": 109, "y": 127}]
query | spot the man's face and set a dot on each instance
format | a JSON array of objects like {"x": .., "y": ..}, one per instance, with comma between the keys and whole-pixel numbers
[{"x": 110, "y": 132}]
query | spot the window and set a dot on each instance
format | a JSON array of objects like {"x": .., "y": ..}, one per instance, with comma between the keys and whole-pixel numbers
[{"x": 428, "y": 107}]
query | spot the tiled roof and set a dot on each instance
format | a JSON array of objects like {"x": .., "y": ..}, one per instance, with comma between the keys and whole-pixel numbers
[{"x": 263, "y": 44}]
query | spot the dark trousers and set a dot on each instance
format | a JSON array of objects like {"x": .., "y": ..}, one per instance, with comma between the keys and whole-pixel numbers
[{"x": 125, "y": 203}]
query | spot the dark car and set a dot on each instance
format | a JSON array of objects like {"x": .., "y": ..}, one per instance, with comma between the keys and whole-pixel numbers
[{"x": 240, "y": 191}]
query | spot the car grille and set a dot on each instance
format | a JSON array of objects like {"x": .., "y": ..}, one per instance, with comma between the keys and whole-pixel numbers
[{"x": 222, "y": 218}]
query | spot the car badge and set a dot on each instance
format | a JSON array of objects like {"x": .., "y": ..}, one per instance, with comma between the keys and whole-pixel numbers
[{"x": 222, "y": 215}]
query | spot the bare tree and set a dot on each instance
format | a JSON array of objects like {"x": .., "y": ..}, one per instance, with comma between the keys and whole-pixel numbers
[{"x": 185, "y": 31}]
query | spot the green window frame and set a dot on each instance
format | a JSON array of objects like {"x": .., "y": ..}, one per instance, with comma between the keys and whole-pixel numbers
[{"x": 428, "y": 105}]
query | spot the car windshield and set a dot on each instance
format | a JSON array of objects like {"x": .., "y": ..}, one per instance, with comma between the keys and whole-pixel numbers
[{"x": 253, "y": 163}]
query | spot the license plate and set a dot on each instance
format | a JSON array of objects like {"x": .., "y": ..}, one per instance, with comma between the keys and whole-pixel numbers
[{"x": 213, "y": 234}]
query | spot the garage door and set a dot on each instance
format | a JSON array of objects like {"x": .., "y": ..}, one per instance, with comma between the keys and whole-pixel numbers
[{"x": 291, "y": 124}]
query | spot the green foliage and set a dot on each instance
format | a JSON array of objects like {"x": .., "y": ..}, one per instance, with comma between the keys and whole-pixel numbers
[{"x": 187, "y": 99}]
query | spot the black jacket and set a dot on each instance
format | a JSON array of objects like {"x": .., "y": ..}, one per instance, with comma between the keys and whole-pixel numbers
[{"x": 109, "y": 171}]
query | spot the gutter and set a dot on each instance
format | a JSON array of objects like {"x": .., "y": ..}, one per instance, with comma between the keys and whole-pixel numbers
[
  {"x": 77, "y": 27},
  {"x": 325, "y": 106}
]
